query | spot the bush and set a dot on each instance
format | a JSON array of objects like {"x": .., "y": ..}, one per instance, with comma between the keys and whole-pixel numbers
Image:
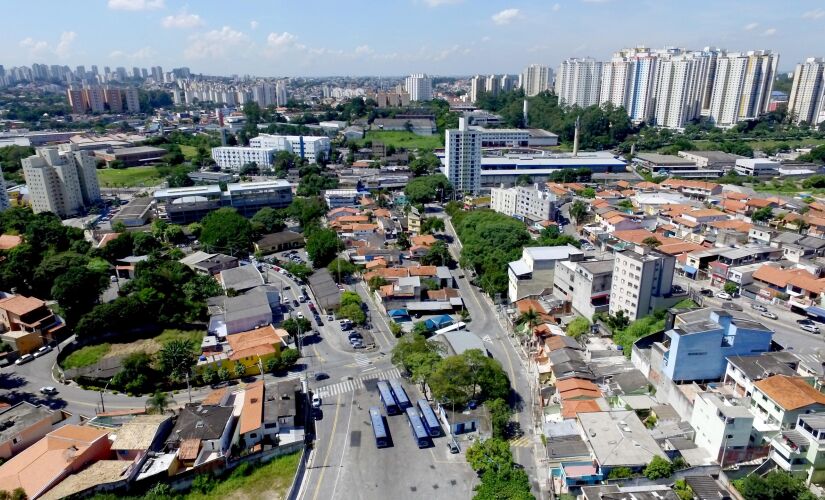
[
  {"x": 658, "y": 468},
  {"x": 620, "y": 473},
  {"x": 203, "y": 483}
]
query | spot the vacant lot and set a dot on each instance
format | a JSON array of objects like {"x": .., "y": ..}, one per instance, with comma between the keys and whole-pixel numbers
[
  {"x": 129, "y": 177},
  {"x": 86, "y": 356},
  {"x": 271, "y": 481},
  {"x": 404, "y": 139},
  {"x": 90, "y": 355}
]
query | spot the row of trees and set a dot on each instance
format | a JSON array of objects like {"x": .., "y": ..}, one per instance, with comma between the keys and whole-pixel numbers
[
  {"x": 428, "y": 188},
  {"x": 500, "y": 478}
]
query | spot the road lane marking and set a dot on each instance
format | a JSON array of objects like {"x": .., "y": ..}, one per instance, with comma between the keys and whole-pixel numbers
[
  {"x": 345, "y": 447},
  {"x": 329, "y": 449},
  {"x": 356, "y": 383}
]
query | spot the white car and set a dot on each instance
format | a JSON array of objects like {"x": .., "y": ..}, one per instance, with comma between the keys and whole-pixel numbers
[
  {"x": 24, "y": 359},
  {"x": 316, "y": 401},
  {"x": 804, "y": 326},
  {"x": 49, "y": 390},
  {"x": 723, "y": 295},
  {"x": 769, "y": 314},
  {"x": 46, "y": 349}
]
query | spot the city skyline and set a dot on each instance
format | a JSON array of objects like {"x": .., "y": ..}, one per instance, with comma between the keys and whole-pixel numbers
[{"x": 438, "y": 37}]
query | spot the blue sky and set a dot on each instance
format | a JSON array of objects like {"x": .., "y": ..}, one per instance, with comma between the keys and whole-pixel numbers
[{"x": 392, "y": 37}]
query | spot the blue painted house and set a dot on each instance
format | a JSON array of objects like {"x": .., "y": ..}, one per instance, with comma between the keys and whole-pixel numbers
[{"x": 697, "y": 346}]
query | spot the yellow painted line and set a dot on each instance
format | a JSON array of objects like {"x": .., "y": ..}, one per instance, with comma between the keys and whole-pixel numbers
[
  {"x": 329, "y": 447},
  {"x": 317, "y": 354}
]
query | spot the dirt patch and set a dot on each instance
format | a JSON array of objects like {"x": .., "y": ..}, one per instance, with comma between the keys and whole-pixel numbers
[{"x": 149, "y": 346}]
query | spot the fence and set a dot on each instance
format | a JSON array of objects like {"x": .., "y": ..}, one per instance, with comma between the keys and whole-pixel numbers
[{"x": 295, "y": 487}]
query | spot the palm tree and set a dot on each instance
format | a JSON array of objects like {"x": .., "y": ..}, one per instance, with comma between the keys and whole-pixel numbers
[
  {"x": 531, "y": 318},
  {"x": 578, "y": 211},
  {"x": 158, "y": 402}
]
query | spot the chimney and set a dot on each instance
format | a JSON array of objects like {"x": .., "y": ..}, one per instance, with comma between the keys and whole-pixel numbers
[
  {"x": 524, "y": 109},
  {"x": 576, "y": 139}
]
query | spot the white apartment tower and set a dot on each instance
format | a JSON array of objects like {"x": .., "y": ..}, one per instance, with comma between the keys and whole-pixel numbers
[
  {"x": 62, "y": 181},
  {"x": 477, "y": 85},
  {"x": 462, "y": 157},
  {"x": 492, "y": 85},
  {"x": 420, "y": 87},
  {"x": 536, "y": 79},
  {"x": 742, "y": 86},
  {"x": 629, "y": 80},
  {"x": 679, "y": 89},
  {"x": 640, "y": 275},
  {"x": 526, "y": 202},
  {"x": 578, "y": 82},
  {"x": 807, "y": 100},
  {"x": 132, "y": 101}
]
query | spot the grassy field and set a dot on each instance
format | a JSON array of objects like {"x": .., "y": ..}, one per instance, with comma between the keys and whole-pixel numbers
[
  {"x": 90, "y": 355},
  {"x": 764, "y": 143},
  {"x": 271, "y": 480},
  {"x": 129, "y": 177},
  {"x": 404, "y": 139},
  {"x": 189, "y": 152},
  {"x": 86, "y": 356}
]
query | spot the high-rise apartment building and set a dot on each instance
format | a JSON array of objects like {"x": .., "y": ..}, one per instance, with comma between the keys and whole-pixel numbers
[
  {"x": 679, "y": 89},
  {"x": 420, "y": 87},
  {"x": 807, "y": 100},
  {"x": 4, "y": 195},
  {"x": 130, "y": 95},
  {"x": 640, "y": 276},
  {"x": 493, "y": 85},
  {"x": 508, "y": 83},
  {"x": 578, "y": 82},
  {"x": 76, "y": 100},
  {"x": 462, "y": 156},
  {"x": 629, "y": 80},
  {"x": 61, "y": 180},
  {"x": 280, "y": 94},
  {"x": 95, "y": 99},
  {"x": 477, "y": 85},
  {"x": 536, "y": 79},
  {"x": 742, "y": 86},
  {"x": 113, "y": 99},
  {"x": 525, "y": 202}
]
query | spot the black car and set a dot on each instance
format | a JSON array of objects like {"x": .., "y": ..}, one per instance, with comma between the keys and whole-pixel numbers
[
  {"x": 707, "y": 292},
  {"x": 355, "y": 335},
  {"x": 321, "y": 376},
  {"x": 295, "y": 303}
]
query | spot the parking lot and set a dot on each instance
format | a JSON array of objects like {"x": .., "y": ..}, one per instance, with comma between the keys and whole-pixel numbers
[{"x": 401, "y": 470}]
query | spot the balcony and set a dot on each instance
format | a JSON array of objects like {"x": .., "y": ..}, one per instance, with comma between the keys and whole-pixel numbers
[{"x": 788, "y": 451}]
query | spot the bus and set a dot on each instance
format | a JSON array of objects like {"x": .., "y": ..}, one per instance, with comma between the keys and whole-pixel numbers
[
  {"x": 400, "y": 394},
  {"x": 378, "y": 428},
  {"x": 387, "y": 398},
  {"x": 429, "y": 418},
  {"x": 452, "y": 328},
  {"x": 419, "y": 433}
]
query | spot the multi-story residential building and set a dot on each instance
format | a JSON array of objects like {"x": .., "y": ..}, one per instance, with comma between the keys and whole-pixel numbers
[
  {"x": 130, "y": 94},
  {"x": 536, "y": 79},
  {"x": 462, "y": 157},
  {"x": 801, "y": 451},
  {"x": 743, "y": 371},
  {"x": 697, "y": 345},
  {"x": 535, "y": 271},
  {"x": 629, "y": 80},
  {"x": 4, "y": 195},
  {"x": 586, "y": 285},
  {"x": 578, "y": 82},
  {"x": 742, "y": 86},
  {"x": 94, "y": 99},
  {"x": 723, "y": 426},
  {"x": 76, "y": 100},
  {"x": 62, "y": 181},
  {"x": 640, "y": 276},
  {"x": 807, "y": 99},
  {"x": 679, "y": 89},
  {"x": 310, "y": 148},
  {"x": 113, "y": 99},
  {"x": 478, "y": 84},
  {"x": 19, "y": 313},
  {"x": 525, "y": 202},
  {"x": 337, "y": 198},
  {"x": 492, "y": 85},
  {"x": 234, "y": 157},
  {"x": 778, "y": 401},
  {"x": 419, "y": 86}
]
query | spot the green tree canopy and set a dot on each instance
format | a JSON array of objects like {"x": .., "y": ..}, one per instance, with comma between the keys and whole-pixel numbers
[
  {"x": 226, "y": 231},
  {"x": 658, "y": 468},
  {"x": 177, "y": 358},
  {"x": 77, "y": 291},
  {"x": 267, "y": 220},
  {"x": 427, "y": 189},
  {"x": 323, "y": 246}
]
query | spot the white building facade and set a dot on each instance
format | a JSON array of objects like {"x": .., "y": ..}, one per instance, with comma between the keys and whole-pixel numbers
[
  {"x": 310, "y": 148},
  {"x": 419, "y": 86},
  {"x": 536, "y": 79},
  {"x": 234, "y": 157},
  {"x": 61, "y": 180},
  {"x": 742, "y": 86},
  {"x": 578, "y": 82},
  {"x": 462, "y": 157},
  {"x": 639, "y": 275},
  {"x": 807, "y": 100}
]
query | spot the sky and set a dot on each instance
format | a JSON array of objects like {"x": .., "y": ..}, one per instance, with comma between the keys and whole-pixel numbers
[{"x": 392, "y": 37}]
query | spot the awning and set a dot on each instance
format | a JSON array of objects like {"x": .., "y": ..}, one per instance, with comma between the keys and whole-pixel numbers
[
  {"x": 689, "y": 269},
  {"x": 815, "y": 311}
]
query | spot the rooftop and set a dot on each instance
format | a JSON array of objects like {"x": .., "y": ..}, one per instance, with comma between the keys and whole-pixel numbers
[
  {"x": 762, "y": 365},
  {"x": 241, "y": 278},
  {"x": 618, "y": 438},
  {"x": 253, "y": 404},
  {"x": 552, "y": 253},
  {"x": 200, "y": 422},
  {"x": 20, "y": 305},
  {"x": 15, "y": 419},
  {"x": 139, "y": 433},
  {"x": 790, "y": 392}
]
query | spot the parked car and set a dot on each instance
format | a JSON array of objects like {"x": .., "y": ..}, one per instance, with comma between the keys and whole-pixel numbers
[
  {"x": 768, "y": 314},
  {"x": 759, "y": 307},
  {"x": 300, "y": 315},
  {"x": 113, "y": 278},
  {"x": 302, "y": 299},
  {"x": 723, "y": 295},
  {"x": 453, "y": 445},
  {"x": 707, "y": 292},
  {"x": 804, "y": 326},
  {"x": 316, "y": 401},
  {"x": 24, "y": 359},
  {"x": 330, "y": 318},
  {"x": 49, "y": 390},
  {"x": 321, "y": 376},
  {"x": 46, "y": 349},
  {"x": 355, "y": 335},
  {"x": 804, "y": 322}
]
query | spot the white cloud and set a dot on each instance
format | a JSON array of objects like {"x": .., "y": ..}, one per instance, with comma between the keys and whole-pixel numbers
[
  {"x": 814, "y": 14},
  {"x": 216, "y": 44},
  {"x": 253, "y": 25},
  {"x": 183, "y": 20},
  {"x": 556, "y": 7},
  {"x": 34, "y": 46},
  {"x": 142, "y": 54},
  {"x": 363, "y": 50},
  {"x": 506, "y": 16},
  {"x": 136, "y": 4},
  {"x": 439, "y": 3},
  {"x": 751, "y": 26},
  {"x": 769, "y": 32},
  {"x": 280, "y": 39},
  {"x": 64, "y": 46}
]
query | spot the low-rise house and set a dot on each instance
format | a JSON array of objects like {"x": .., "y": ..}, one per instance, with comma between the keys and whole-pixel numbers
[
  {"x": 616, "y": 492},
  {"x": 278, "y": 242},
  {"x": 23, "y": 424},
  {"x": 743, "y": 371},
  {"x": 251, "y": 349},
  {"x": 258, "y": 307},
  {"x": 19, "y": 313},
  {"x": 283, "y": 411},
  {"x": 779, "y": 400},
  {"x": 202, "y": 433},
  {"x": 723, "y": 426},
  {"x": 250, "y": 426},
  {"x": 535, "y": 271},
  {"x": 586, "y": 285},
  {"x": 618, "y": 439},
  {"x": 241, "y": 278},
  {"x": 60, "y": 453},
  {"x": 209, "y": 263},
  {"x": 142, "y": 434},
  {"x": 801, "y": 450}
]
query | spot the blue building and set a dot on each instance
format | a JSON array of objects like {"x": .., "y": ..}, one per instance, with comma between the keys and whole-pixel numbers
[{"x": 698, "y": 344}]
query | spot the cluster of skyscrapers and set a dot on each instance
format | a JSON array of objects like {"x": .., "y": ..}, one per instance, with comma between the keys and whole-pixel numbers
[
  {"x": 100, "y": 99},
  {"x": 265, "y": 93},
  {"x": 93, "y": 76},
  {"x": 534, "y": 79},
  {"x": 672, "y": 86}
]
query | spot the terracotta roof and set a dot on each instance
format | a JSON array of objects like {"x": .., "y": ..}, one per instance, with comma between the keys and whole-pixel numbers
[
  {"x": 525, "y": 305},
  {"x": 777, "y": 276},
  {"x": 20, "y": 304},
  {"x": 581, "y": 393},
  {"x": 252, "y": 414},
  {"x": 189, "y": 448},
  {"x": 733, "y": 206},
  {"x": 679, "y": 248},
  {"x": 215, "y": 397},
  {"x": 684, "y": 222},
  {"x": 736, "y": 224},
  {"x": 348, "y": 210},
  {"x": 352, "y": 218},
  {"x": 386, "y": 290},
  {"x": 637, "y": 236},
  {"x": 106, "y": 239},
  {"x": 646, "y": 185},
  {"x": 423, "y": 240},
  {"x": 599, "y": 203},
  {"x": 423, "y": 271},
  {"x": 734, "y": 195},
  {"x": 704, "y": 212},
  {"x": 376, "y": 263},
  {"x": 617, "y": 219},
  {"x": 259, "y": 341},
  {"x": 442, "y": 294},
  {"x": 790, "y": 393},
  {"x": 623, "y": 184},
  {"x": 575, "y": 383},
  {"x": 807, "y": 281},
  {"x": 759, "y": 203},
  {"x": 363, "y": 227},
  {"x": 9, "y": 241},
  {"x": 571, "y": 408}
]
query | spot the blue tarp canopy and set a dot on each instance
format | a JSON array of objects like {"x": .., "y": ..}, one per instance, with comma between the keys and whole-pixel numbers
[
  {"x": 689, "y": 269},
  {"x": 439, "y": 322},
  {"x": 395, "y": 313},
  {"x": 816, "y": 311}
]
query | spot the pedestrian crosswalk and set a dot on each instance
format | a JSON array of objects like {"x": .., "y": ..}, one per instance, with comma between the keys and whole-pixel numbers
[
  {"x": 356, "y": 383},
  {"x": 362, "y": 360},
  {"x": 522, "y": 442}
]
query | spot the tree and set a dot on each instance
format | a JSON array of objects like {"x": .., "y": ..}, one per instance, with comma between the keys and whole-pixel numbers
[
  {"x": 578, "y": 211},
  {"x": 144, "y": 244},
  {"x": 437, "y": 255},
  {"x": 587, "y": 193},
  {"x": 323, "y": 246},
  {"x": 208, "y": 376},
  {"x": 353, "y": 312},
  {"x": 239, "y": 369},
  {"x": 432, "y": 225},
  {"x": 223, "y": 373},
  {"x": 77, "y": 291},
  {"x": 403, "y": 241},
  {"x": 295, "y": 325},
  {"x": 683, "y": 490},
  {"x": 578, "y": 327},
  {"x": 289, "y": 357},
  {"x": 427, "y": 188},
  {"x": 618, "y": 322},
  {"x": 177, "y": 358},
  {"x": 341, "y": 269},
  {"x": 531, "y": 318},
  {"x": 421, "y": 328},
  {"x": 500, "y": 413},
  {"x": 651, "y": 242},
  {"x": 416, "y": 356},
  {"x": 658, "y": 468},
  {"x": 376, "y": 282},
  {"x": 158, "y": 402},
  {"x": 512, "y": 484},
  {"x": 731, "y": 288},
  {"x": 620, "y": 473},
  {"x": 136, "y": 373},
  {"x": 775, "y": 485},
  {"x": 490, "y": 455},
  {"x": 307, "y": 210},
  {"x": 267, "y": 220},
  {"x": 226, "y": 231},
  {"x": 395, "y": 329},
  {"x": 763, "y": 214}
]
